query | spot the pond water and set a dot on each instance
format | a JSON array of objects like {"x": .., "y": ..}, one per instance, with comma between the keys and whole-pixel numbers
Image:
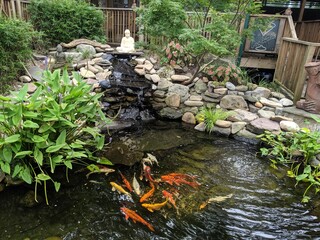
[{"x": 263, "y": 205}]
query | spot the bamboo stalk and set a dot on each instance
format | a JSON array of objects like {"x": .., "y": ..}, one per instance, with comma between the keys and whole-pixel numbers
[
  {"x": 19, "y": 8},
  {"x": 13, "y": 10}
]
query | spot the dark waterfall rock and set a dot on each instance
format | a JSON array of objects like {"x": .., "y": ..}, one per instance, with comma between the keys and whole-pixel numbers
[{"x": 105, "y": 84}]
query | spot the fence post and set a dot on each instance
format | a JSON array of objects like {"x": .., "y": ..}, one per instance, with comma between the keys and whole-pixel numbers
[{"x": 19, "y": 9}]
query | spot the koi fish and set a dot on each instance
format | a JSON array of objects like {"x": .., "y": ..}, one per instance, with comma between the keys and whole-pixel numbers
[
  {"x": 99, "y": 169},
  {"x": 136, "y": 185},
  {"x": 147, "y": 173},
  {"x": 215, "y": 199},
  {"x": 126, "y": 182},
  {"x": 119, "y": 189},
  {"x": 150, "y": 159},
  {"x": 169, "y": 197},
  {"x": 135, "y": 217},
  {"x": 155, "y": 206},
  {"x": 179, "y": 178},
  {"x": 148, "y": 194}
]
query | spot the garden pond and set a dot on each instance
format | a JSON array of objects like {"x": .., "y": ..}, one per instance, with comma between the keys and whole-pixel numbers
[{"x": 262, "y": 202}]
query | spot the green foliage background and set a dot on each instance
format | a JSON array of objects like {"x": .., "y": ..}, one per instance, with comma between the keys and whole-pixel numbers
[
  {"x": 66, "y": 20},
  {"x": 16, "y": 39}
]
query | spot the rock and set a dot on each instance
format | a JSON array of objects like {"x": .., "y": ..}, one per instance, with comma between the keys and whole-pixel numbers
[
  {"x": 265, "y": 114},
  {"x": 286, "y": 102},
  {"x": 223, "y": 123},
  {"x": 140, "y": 60},
  {"x": 173, "y": 100},
  {"x": 222, "y": 131},
  {"x": 260, "y": 125},
  {"x": 249, "y": 96},
  {"x": 241, "y": 88},
  {"x": 159, "y": 94},
  {"x": 200, "y": 127},
  {"x": 73, "y": 56},
  {"x": 148, "y": 66},
  {"x": 31, "y": 87},
  {"x": 289, "y": 126},
  {"x": 152, "y": 71},
  {"x": 105, "y": 84},
  {"x": 25, "y": 79},
  {"x": 188, "y": 117},
  {"x": 91, "y": 81},
  {"x": 233, "y": 92},
  {"x": 258, "y": 105},
  {"x": 165, "y": 72},
  {"x": 98, "y": 55},
  {"x": 241, "y": 115},
  {"x": 200, "y": 86},
  {"x": 221, "y": 91},
  {"x": 280, "y": 118},
  {"x": 179, "y": 89},
  {"x": 269, "y": 103},
  {"x": 140, "y": 71},
  {"x": 164, "y": 84},
  {"x": 179, "y": 78},
  {"x": 230, "y": 86},
  {"x": 245, "y": 135},
  {"x": 29, "y": 201},
  {"x": 100, "y": 69},
  {"x": 85, "y": 49},
  {"x": 155, "y": 78},
  {"x": 92, "y": 69},
  {"x": 193, "y": 103},
  {"x": 210, "y": 100},
  {"x": 212, "y": 95},
  {"x": 233, "y": 102},
  {"x": 237, "y": 126},
  {"x": 277, "y": 95},
  {"x": 36, "y": 73},
  {"x": 193, "y": 110},
  {"x": 261, "y": 92},
  {"x": 195, "y": 98},
  {"x": 86, "y": 73},
  {"x": 102, "y": 75},
  {"x": 170, "y": 113},
  {"x": 38, "y": 57}
]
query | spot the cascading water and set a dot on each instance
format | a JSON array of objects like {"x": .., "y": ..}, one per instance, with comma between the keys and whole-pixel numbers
[{"x": 126, "y": 93}]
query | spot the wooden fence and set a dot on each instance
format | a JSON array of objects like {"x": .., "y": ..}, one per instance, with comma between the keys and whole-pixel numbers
[
  {"x": 309, "y": 31},
  {"x": 292, "y": 57},
  {"x": 14, "y": 9}
]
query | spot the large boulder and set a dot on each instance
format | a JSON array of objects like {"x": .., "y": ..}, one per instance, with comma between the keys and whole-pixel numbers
[{"x": 233, "y": 102}]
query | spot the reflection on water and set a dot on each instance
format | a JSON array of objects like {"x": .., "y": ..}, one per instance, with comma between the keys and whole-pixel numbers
[{"x": 262, "y": 206}]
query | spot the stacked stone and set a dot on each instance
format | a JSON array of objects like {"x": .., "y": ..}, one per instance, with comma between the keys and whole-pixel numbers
[{"x": 256, "y": 109}]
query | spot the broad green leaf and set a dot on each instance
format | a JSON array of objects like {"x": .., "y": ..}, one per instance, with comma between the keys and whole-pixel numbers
[
  {"x": 100, "y": 142},
  {"x": 78, "y": 155},
  {"x": 91, "y": 131},
  {"x": 301, "y": 177},
  {"x": 76, "y": 145},
  {"x": 38, "y": 156},
  {"x": 68, "y": 164},
  {"x": 38, "y": 139},
  {"x": 23, "y": 153},
  {"x": 54, "y": 148},
  {"x": 30, "y": 124},
  {"x": 62, "y": 138},
  {"x": 44, "y": 127},
  {"x": 26, "y": 176},
  {"x": 16, "y": 147},
  {"x": 43, "y": 177},
  {"x": 5, "y": 167},
  {"x": 12, "y": 139},
  {"x": 57, "y": 159},
  {"x": 63, "y": 105},
  {"x": 17, "y": 169},
  {"x": 7, "y": 153},
  {"x": 93, "y": 168},
  {"x": 104, "y": 161},
  {"x": 65, "y": 77},
  {"x": 3, "y": 98},
  {"x": 57, "y": 186},
  {"x": 30, "y": 114},
  {"x": 35, "y": 96},
  {"x": 16, "y": 119},
  {"x": 50, "y": 119},
  {"x": 22, "y": 93}
]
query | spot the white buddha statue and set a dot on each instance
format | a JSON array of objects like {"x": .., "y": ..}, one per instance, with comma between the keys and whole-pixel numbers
[{"x": 127, "y": 43}]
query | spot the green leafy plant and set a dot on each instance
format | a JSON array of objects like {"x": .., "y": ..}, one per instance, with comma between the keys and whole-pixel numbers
[
  {"x": 210, "y": 116},
  {"x": 53, "y": 127},
  {"x": 175, "y": 54},
  {"x": 297, "y": 150},
  {"x": 203, "y": 31},
  {"x": 66, "y": 20},
  {"x": 15, "y": 49},
  {"x": 230, "y": 73}
]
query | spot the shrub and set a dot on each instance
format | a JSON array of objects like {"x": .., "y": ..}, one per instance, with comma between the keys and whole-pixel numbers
[
  {"x": 66, "y": 20},
  {"x": 53, "y": 127},
  {"x": 298, "y": 150},
  {"x": 15, "y": 48},
  {"x": 175, "y": 54},
  {"x": 220, "y": 73}
]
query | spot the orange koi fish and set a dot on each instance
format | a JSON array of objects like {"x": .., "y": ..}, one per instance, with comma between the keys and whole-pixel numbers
[
  {"x": 126, "y": 182},
  {"x": 170, "y": 197},
  {"x": 135, "y": 217},
  {"x": 147, "y": 173},
  {"x": 156, "y": 206},
  {"x": 179, "y": 178},
  {"x": 148, "y": 194}
]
